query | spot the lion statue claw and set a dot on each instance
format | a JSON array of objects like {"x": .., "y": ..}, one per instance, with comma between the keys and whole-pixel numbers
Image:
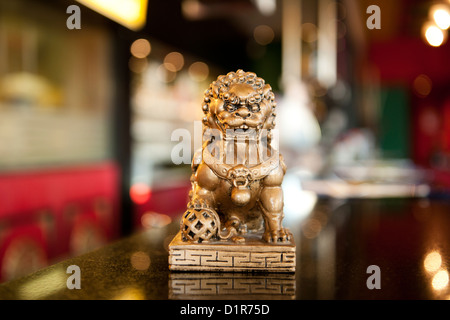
[{"x": 237, "y": 175}]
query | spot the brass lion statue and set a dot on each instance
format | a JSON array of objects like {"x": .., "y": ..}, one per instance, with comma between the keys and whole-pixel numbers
[{"x": 237, "y": 175}]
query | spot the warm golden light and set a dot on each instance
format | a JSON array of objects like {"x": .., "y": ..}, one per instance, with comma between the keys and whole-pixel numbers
[
  {"x": 432, "y": 261},
  {"x": 174, "y": 61},
  {"x": 266, "y": 7},
  {"x": 199, "y": 71},
  {"x": 440, "y": 13},
  {"x": 141, "y": 48},
  {"x": 192, "y": 9},
  {"x": 46, "y": 284},
  {"x": 435, "y": 36},
  {"x": 129, "y": 13},
  {"x": 440, "y": 280},
  {"x": 130, "y": 294},
  {"x": 263, "y": 34},
  {"x": 442, "y": 19}
]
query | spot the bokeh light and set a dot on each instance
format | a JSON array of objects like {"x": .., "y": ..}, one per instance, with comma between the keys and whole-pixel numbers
[
  {"x": 433, "y": 261},
  {"x": 422, "y": 85},
  {"x": 440, "y": 14},
  {"x": 309, "y": 32},
  {"x": 140, "y": 193},
  {"x": 434, "y": 36},
  {"x": 263, "y": 34},
  {"x": 141, "y": 48},
  {"x": 174, "y": 61},
  {"x": 440, "y": 280},
  {"x": 442, "y": 19},
  {"x": 198, "y": 71},
  {"x": 140, "y": 260}
]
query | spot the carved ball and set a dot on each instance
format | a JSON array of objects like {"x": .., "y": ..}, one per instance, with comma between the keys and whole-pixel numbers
[{"x": 199, "y": 225}]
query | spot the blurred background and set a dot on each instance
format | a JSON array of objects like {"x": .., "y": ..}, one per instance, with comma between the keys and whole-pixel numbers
[{"x": 87, "y": 114}]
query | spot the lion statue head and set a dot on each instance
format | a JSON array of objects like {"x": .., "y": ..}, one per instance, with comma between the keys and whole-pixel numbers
[{"x": 239, "y": 101}]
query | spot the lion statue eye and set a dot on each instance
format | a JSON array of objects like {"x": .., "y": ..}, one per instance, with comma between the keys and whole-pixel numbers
[
  {"x": 254, "y": 108},
  {"x": 230, "y": 107}
]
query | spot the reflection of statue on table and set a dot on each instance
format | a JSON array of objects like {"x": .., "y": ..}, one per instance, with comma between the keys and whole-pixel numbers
[{"x": 212, "y": 286}]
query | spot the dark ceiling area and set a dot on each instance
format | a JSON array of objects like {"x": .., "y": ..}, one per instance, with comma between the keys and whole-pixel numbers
[{"x": 218, "y": 32}]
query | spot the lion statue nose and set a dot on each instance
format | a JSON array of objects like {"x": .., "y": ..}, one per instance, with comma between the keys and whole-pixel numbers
[{"x": 243, "y": 112}]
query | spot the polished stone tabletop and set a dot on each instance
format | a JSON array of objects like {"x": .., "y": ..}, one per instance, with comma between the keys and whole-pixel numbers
[{"x": 346, "y": 249}]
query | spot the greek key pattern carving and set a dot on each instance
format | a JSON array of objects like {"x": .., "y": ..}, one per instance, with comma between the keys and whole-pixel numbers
[
  {"x": 181, "y": 287},
  {"x": 213, "y": 259}
]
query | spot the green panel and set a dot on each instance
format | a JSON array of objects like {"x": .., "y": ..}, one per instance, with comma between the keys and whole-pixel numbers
[
  {"x": 394, "y": 138},
  {"x": 268, "y": 66}
]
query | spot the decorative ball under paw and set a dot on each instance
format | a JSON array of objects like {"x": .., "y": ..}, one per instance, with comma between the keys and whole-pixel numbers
[{"x": 199, "y": 225}]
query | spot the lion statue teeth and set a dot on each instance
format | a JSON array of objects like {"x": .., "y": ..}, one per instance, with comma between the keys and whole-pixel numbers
[{"x": 237, "y": 175}]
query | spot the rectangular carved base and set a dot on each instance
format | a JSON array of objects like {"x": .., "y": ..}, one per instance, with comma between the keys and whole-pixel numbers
[{"x": 227, "y": 256}]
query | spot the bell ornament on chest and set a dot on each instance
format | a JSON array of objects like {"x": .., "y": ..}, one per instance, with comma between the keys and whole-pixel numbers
[{"x": 240, "y": 195}]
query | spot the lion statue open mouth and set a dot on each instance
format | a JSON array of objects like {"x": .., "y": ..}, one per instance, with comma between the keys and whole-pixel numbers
[{"x": 237, "y": 175}]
